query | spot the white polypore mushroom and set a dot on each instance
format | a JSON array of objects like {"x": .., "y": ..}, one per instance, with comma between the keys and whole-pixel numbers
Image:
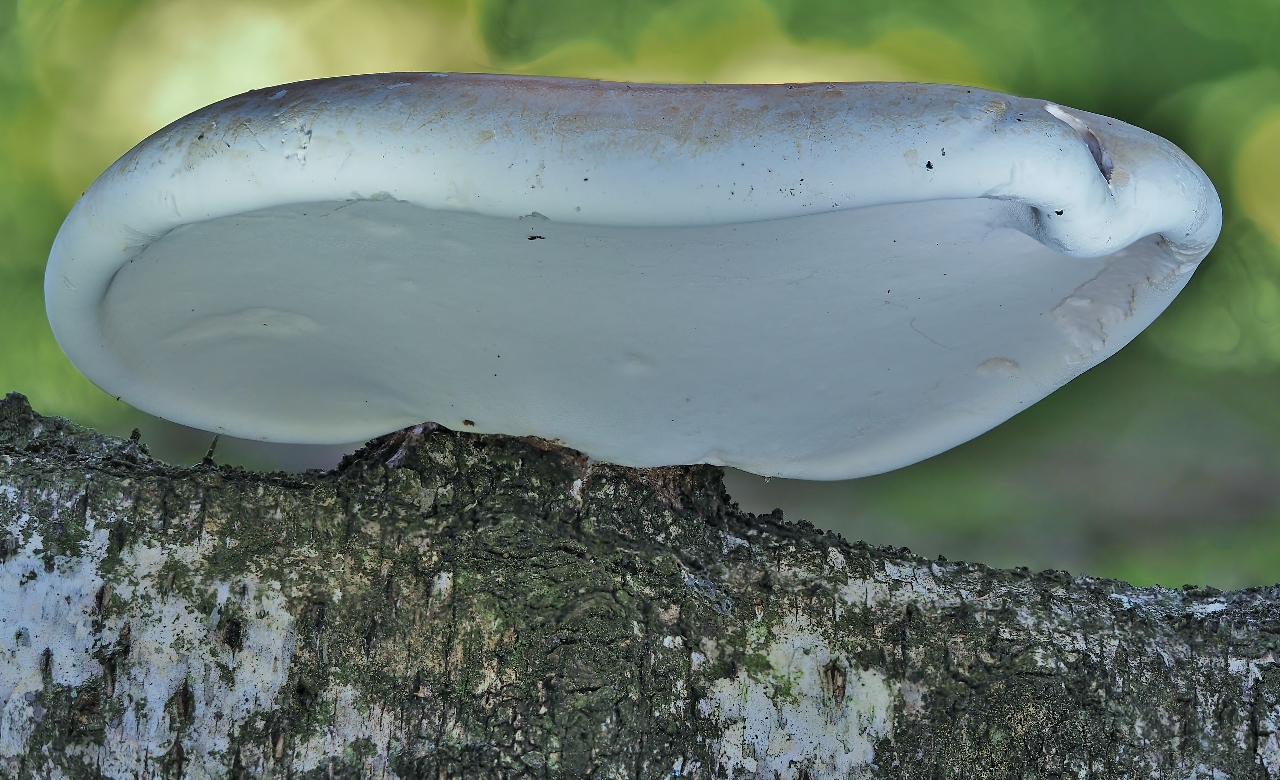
[{"x": 817, "y": 280}]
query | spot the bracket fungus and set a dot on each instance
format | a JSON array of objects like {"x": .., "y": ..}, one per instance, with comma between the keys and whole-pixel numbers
[{"x": 809, "y": 280}]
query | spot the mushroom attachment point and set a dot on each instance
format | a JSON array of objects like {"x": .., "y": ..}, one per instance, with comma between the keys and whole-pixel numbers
[{"x": 813, "y": 280}]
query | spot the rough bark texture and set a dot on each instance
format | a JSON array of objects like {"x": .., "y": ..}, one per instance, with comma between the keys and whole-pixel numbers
[{"x": 453, "y": 605}]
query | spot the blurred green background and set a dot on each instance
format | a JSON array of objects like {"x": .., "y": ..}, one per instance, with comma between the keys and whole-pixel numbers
[{"x": 1160, "y": 466}]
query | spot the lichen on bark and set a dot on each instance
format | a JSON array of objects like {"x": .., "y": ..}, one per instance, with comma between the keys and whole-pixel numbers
[{"x": 453, "y": 605}]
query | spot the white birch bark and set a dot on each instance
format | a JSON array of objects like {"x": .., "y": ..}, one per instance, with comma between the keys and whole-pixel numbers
[{"x": 453, "y": 605}]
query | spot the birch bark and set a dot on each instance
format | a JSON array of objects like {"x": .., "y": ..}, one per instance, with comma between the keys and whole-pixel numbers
[{"x": 452, "y": 605}]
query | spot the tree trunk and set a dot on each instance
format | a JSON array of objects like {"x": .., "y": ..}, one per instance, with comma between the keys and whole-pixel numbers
[{"x": 451, "y": 605}]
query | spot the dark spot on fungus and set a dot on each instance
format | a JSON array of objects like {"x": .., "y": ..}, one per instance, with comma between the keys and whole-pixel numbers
[
  {"x": 535, "y": 238},
  {"x": 471, "y": 423},
  {"x": 928, "y": 164},
  {"x": 1058, "y": 212}
]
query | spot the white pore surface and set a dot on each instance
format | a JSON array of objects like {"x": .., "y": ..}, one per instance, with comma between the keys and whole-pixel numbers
[{"x": 337, "y": 276}]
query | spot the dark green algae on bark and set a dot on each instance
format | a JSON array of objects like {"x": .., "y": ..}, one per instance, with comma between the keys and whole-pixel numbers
[{"x": 453, "y": 605}]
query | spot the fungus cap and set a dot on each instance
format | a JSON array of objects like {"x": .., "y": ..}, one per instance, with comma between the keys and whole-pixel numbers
[{"x": 814, "y": 280}]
